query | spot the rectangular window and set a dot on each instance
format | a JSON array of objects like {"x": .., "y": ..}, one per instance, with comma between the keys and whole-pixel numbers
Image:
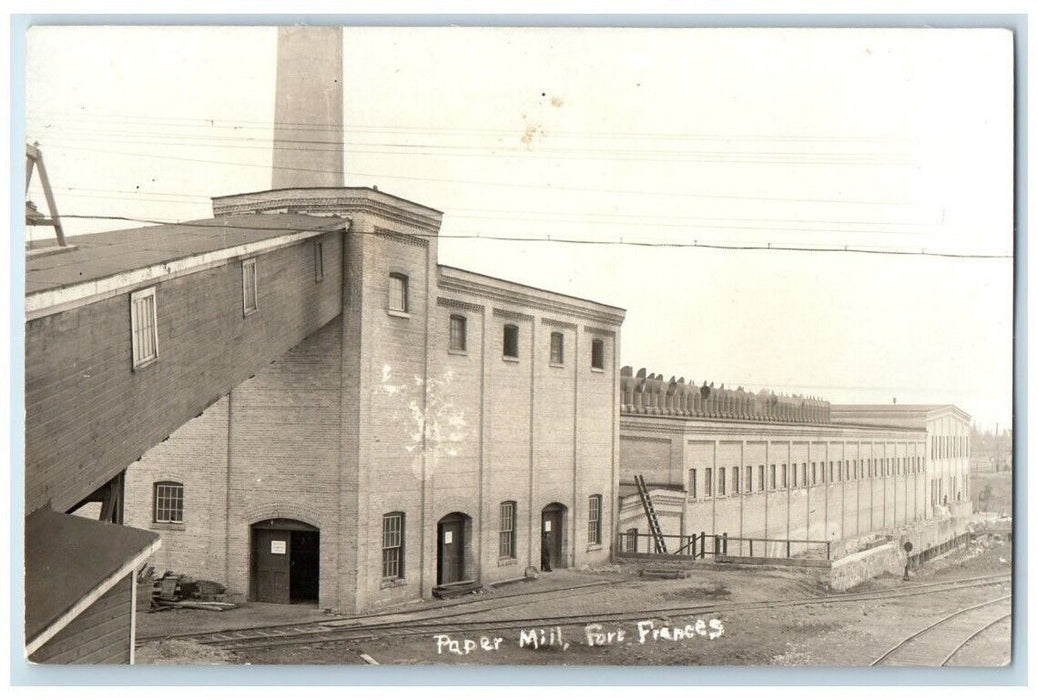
[
  {"x": 708, "y": 485},
  {"x": 735, "y": 479},
  {"x": 393, "y": 546},
  {"x": 597, "y": 354},
  {"x": 749, "y": 479},
  {"x": 774, "y": 485},
  {"x": 721, "y": 481},
  {"x": 794, "y": 470},
  {"x": 556, "y": 348},
  {"x": 692, "y": 483},
  {"x": 318, "y": 261},
  {"x": 458, "y": 338},
  {"x": 144, "y": 327},
  {"x": 169, "y": 502},
  {"x": 248, "y": 286},
  {"x": 785, "y": 476},
  {"x": 398, "y": 292},
  {"x": 760, "y": 478},
  {"x": 803, "y": 475},
  {"x": 594, "y": 520},
  {"x": 506, "y": 534},
  {"x": 831, "y": 473},
  {"x": 814, "y": 473},
  {"x": 511, "y": 342}
]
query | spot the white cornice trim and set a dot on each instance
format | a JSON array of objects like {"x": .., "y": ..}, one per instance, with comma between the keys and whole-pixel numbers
[
  {"x": 52, "y": 301},
  {"x": 129, "y": 568}
]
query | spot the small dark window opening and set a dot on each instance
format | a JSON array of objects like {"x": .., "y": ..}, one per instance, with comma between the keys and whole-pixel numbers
[
  {"x": 597, "y": 354},
  {"x": 318, "y": 261},
  {"x": 511, "y": 341}
]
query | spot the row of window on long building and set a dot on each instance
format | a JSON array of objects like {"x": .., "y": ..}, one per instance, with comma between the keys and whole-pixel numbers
[
  {"x": 734, "y": 480},
  {"x": 394, "y": 530},
  {"x": 949, "y": 446}
]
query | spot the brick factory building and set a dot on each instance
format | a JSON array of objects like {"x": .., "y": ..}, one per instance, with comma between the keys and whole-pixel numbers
[
  {"x": 423, "y": 435},
  {"x": 760, "y": 465}
]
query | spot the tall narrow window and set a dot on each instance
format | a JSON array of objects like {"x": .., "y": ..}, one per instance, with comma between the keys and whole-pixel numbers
[
  {"x": 318, "y": 261},
  {"x": 556, "y": 348},
  {"x": 144, "y": 328},
  {"x": 749, "y": 480},
  {"x": 594, "y": 520},
  {"x": 458, "y": 338},
  {"x": 169, "y": 502},
  {"x": 597, "y": 354},
  {"x": 735, "y": 479},
  {"x": 398, "y": 292},
  {"x": 692, "y": 483},
  {"x": 708, "y": 485},
  {"x": 794, "y": 470},
  {"x": 248, "y": 286},
  {"x": 506, "y": 533},
  {"x": 721, "y": 475},
  {"x": 773, "y": 484},
  {"x": 785, "y": 476},
  {"x": 393, "y": 545},
  {"x": 814, "y": 473},
  {"x": 761, "y": 485},
  {"x": 511, "y": 341}
]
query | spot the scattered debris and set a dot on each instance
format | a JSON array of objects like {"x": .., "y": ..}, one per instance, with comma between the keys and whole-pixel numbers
[{"x": 174, "y": 590}]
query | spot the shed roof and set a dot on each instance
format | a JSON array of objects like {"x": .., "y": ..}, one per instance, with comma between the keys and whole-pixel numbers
[{"x": 69, "y": 558}]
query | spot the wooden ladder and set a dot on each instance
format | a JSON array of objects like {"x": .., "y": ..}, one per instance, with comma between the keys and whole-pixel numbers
[{"x": 650, "y": 515}]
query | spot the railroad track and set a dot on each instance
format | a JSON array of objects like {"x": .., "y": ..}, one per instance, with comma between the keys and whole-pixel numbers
[
  {"x": 939, "y": 642},
  {"x": 357, "y": 629}
]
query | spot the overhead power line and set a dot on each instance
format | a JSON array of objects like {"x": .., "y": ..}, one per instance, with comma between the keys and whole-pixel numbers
[
  {"x": 578, "y": 241},
  {"x": 492, "y": 183}
]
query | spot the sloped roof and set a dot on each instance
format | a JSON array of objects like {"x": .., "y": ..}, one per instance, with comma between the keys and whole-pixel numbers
[
  {"x": 69, "y": 558},
  {"x": 98, "y": 255}
]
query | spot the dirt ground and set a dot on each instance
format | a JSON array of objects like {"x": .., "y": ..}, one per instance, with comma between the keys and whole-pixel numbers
[{"x": 831, "y": 634}]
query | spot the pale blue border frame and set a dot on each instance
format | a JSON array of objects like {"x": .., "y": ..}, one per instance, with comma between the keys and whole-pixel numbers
[{"x": 25, "y": 674}]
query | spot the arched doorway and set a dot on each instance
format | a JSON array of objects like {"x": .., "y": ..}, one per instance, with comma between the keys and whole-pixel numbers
[
  {"x": 286, "y": 561},
  {"x": 553, "y": 537},
  {"x": 453, "y": 534}
]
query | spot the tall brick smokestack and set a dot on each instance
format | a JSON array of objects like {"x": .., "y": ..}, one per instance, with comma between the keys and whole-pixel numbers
[{"x": 308, "y": 134}]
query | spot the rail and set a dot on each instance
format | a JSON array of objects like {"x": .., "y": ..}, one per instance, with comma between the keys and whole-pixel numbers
[{"x": 699, "y": 546}]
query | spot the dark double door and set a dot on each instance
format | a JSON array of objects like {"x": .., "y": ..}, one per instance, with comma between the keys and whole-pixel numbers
[
  {"x": 450, "y": 555},
  {"x": 286, "y": 558},
  {"x": 552, "y": 523}
]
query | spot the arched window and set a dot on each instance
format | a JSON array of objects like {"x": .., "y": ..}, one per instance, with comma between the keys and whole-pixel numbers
[
  {"x": 506, "y": 531},
  {"x": 393, "y": 545},
  {"x": 556, "y": 356},
  {"x": 511, "y": 341},
  {"x": 458, "y": 332},
  {"x": 169, "y": 502}
]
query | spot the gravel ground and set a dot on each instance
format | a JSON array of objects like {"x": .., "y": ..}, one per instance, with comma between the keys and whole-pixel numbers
[{"x": 830, "y": 634}]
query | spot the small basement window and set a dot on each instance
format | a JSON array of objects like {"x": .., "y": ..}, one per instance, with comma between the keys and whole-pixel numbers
[
  {"x": 144, "y": 330},
  {"x": 250, "y": 302},
  {"x": 511, "y": 342}
]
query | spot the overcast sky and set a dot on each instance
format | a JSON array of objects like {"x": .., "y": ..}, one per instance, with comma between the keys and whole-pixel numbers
[{"x": 898, "y": 140}]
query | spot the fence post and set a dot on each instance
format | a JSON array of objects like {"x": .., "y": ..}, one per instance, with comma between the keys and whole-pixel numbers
[
  {"x": 828, "y": 555},
  {"x": 789, "y": 549},
  {"x": 724, "y": 545},
  {"x": 751, "y": 546},
  {"x": 702, "y": 545}
]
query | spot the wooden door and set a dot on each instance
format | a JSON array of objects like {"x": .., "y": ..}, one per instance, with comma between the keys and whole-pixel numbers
[
  {"x": 551, "y": 535},
  {"x": 270, "y": 566},
  {"x": 451, "y": 559}
]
